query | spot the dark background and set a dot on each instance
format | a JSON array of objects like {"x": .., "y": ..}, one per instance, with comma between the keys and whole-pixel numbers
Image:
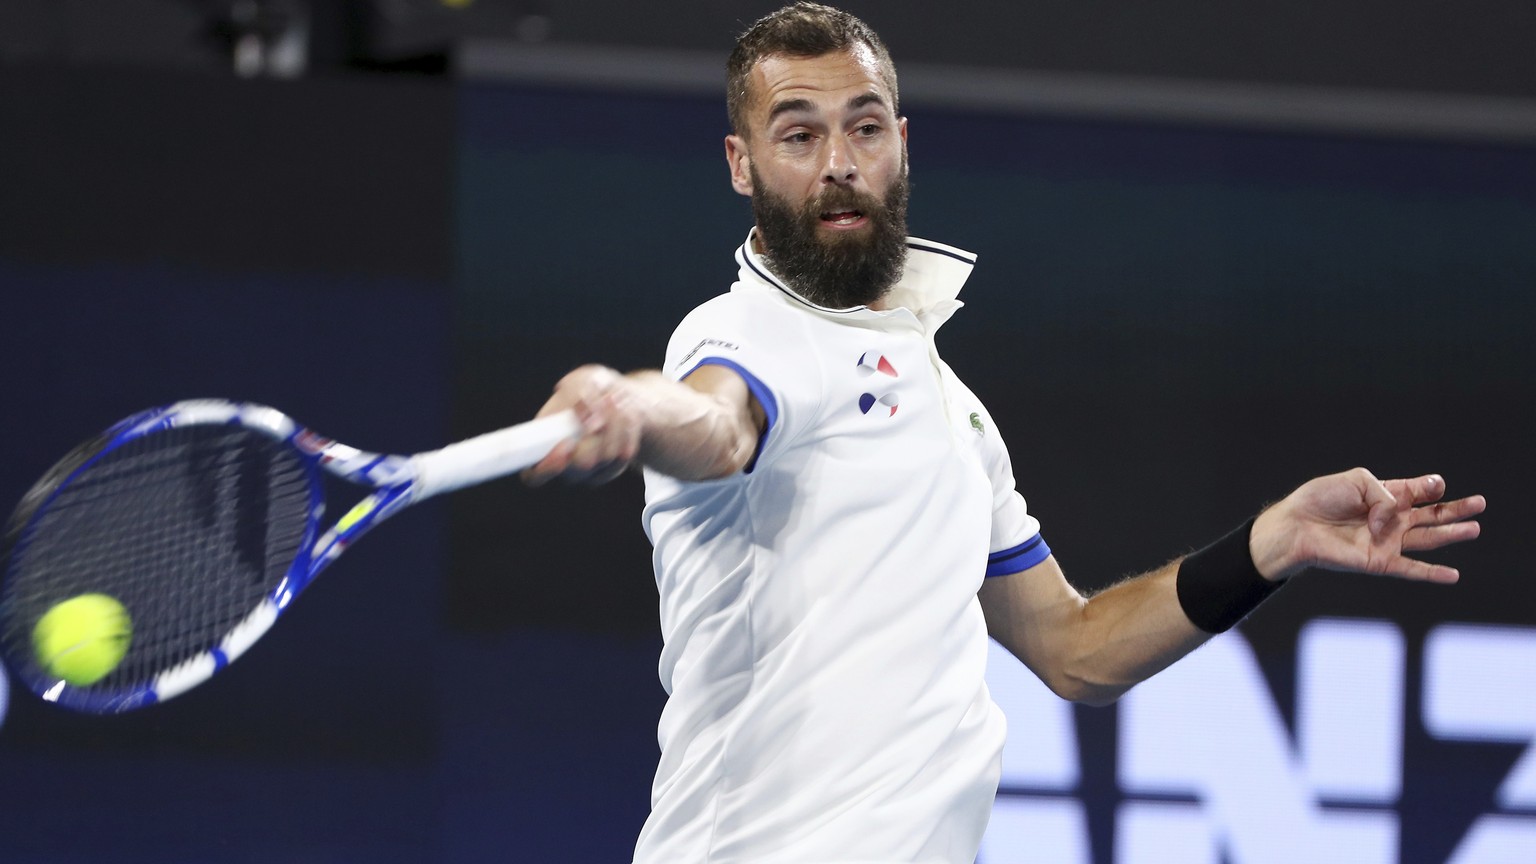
[{"x": 1172, "y": 321}]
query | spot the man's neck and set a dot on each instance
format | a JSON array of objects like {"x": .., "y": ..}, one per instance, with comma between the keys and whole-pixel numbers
[{"x": 762, "y": 251}]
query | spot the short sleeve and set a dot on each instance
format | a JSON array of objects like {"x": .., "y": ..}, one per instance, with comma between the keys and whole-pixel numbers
[
  {"x": 1010, "y": 522},
  {"x": 1017, "y": 543},
  {"x": 748, "y": 337}
]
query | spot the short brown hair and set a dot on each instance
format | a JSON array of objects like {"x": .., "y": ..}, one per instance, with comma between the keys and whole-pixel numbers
[{"x": 798, "y": 30}]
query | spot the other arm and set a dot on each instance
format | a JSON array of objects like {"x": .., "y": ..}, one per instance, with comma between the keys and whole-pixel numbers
[{"x": 1096, "y": 648}]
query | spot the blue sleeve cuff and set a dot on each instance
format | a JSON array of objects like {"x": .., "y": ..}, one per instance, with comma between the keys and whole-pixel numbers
[
  {"x": 1018, "y": 558},
  {"x": 758, "y": 389}
]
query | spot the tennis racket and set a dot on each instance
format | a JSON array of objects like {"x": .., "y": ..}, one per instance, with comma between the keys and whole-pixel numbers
[{"x": 203, "y": 519}]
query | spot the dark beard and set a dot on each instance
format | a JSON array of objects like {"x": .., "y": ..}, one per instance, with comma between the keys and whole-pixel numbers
[{"x": 840, "y": 270}]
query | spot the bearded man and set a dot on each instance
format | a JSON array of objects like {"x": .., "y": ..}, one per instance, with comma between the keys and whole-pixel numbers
[{"x": 835, "y": 520}]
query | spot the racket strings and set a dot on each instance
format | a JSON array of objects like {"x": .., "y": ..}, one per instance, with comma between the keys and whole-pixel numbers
[{"x": 189, "y": 529}]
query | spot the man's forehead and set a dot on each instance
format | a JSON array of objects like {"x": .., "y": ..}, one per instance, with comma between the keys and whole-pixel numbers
[{"x": 780, "y": 76}]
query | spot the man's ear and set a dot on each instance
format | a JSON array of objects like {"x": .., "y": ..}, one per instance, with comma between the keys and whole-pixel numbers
[{"x": 740, "y": 164}]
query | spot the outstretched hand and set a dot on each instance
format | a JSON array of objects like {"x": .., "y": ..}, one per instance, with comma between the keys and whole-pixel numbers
[
  {"x": 705, "y": 427},
  {"x": 611, "y": 425},
  {"x": 1355, "y": 522}
]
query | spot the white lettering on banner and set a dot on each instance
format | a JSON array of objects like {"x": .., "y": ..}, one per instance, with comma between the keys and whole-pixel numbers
[
  {"x": 1349, "y": 709},
  {"x": 1029, "y": 830},
  {"x": 1155, "y": 832},
  {"x": 1206, "y": 727},
  {"x": 1210, "y": 773},
  {"x": 1480, "y": 685},
  {"x": 1040, "y": 757},
  {"x": 1041, "y": 753}
]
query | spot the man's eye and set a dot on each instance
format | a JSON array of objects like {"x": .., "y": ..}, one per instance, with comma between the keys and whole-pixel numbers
[
  {"x": 798, "y": 138},
  {"x": 869, "y": 129}
]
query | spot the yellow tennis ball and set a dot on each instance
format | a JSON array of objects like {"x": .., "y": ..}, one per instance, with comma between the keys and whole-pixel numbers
[{"x": 82, "y": 639}]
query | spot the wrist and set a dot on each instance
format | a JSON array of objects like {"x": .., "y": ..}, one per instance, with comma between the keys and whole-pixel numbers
[
  {"x": 1219, "y": 585},
  {"x": 1271, "y": 545},
  {"x": 640, "y": 396}
]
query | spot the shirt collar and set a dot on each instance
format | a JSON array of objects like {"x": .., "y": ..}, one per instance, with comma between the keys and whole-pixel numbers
[{"x": 928, "y": 289}]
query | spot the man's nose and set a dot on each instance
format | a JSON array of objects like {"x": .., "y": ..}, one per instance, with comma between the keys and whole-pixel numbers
[{"x": 839, "y": 168}]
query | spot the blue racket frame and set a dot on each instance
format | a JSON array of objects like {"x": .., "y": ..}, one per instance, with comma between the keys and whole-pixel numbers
[
  {"x": 393, "y": 477},
  {"x": 398, "y": 481}
]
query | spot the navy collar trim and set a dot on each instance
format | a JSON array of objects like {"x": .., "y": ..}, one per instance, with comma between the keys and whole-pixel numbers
[{"x": 763, "y": 274}]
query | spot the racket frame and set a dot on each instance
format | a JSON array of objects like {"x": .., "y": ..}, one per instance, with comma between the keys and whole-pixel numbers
[{"x": 398, "y": 481}]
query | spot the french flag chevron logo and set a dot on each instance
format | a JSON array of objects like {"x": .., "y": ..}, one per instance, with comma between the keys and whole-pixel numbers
[
  {"x": 870, "y": 400},
  {"x": 870, "y": 364}
]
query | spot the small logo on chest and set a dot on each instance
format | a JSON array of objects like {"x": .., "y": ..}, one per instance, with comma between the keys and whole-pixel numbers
[{"x": 876, "y": 367}]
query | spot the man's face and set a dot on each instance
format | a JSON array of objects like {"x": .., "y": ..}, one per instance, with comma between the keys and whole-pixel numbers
[{"x": 824, "y": 160}]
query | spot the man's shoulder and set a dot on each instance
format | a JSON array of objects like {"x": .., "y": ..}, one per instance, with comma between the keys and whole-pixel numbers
[
  {"x": 746, "y": 304},
  {"x": 748, "y": 326}
]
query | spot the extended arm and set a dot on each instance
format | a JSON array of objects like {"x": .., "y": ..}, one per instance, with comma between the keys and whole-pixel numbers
[
  {"x": 701, "y": 428},
  {"x": 1089, "y": 650},
  {"x": 1094, "y": 649}
]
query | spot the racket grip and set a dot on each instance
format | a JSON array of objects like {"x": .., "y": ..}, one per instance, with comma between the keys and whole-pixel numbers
[{"x": 492, "y": 455}]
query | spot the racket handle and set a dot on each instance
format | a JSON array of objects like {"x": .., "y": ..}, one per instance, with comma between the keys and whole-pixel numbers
[{"x": 492, "y": 455}]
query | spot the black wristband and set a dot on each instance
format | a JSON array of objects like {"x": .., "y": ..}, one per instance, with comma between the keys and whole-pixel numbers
[{"x": 1218, "y": 585}]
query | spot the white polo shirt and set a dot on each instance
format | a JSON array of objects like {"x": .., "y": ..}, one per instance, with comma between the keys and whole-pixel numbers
[{"x": 824, "y": 647}]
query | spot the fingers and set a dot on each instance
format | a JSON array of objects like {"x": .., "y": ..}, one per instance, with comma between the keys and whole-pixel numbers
[
  {"x": 551, "y": 465},
  {"x": 1449, "y": 511},
  {"x": 1399, "y": 517},
  {"x": 610, "y": 430},
  {"x": 1422, "y": 571},
  {"x": 611, "y": 427},
  {"x": 1436, "y": 525},
  {"x": 594, "y": 458},
  {"x": 1418, "y": 496},
  {"x": 1436, "y": 536},
  {"x": 1381, "y": 505},
  {"x": 1433, "y": 524},
  {"x": 1418, "y": 490}
]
